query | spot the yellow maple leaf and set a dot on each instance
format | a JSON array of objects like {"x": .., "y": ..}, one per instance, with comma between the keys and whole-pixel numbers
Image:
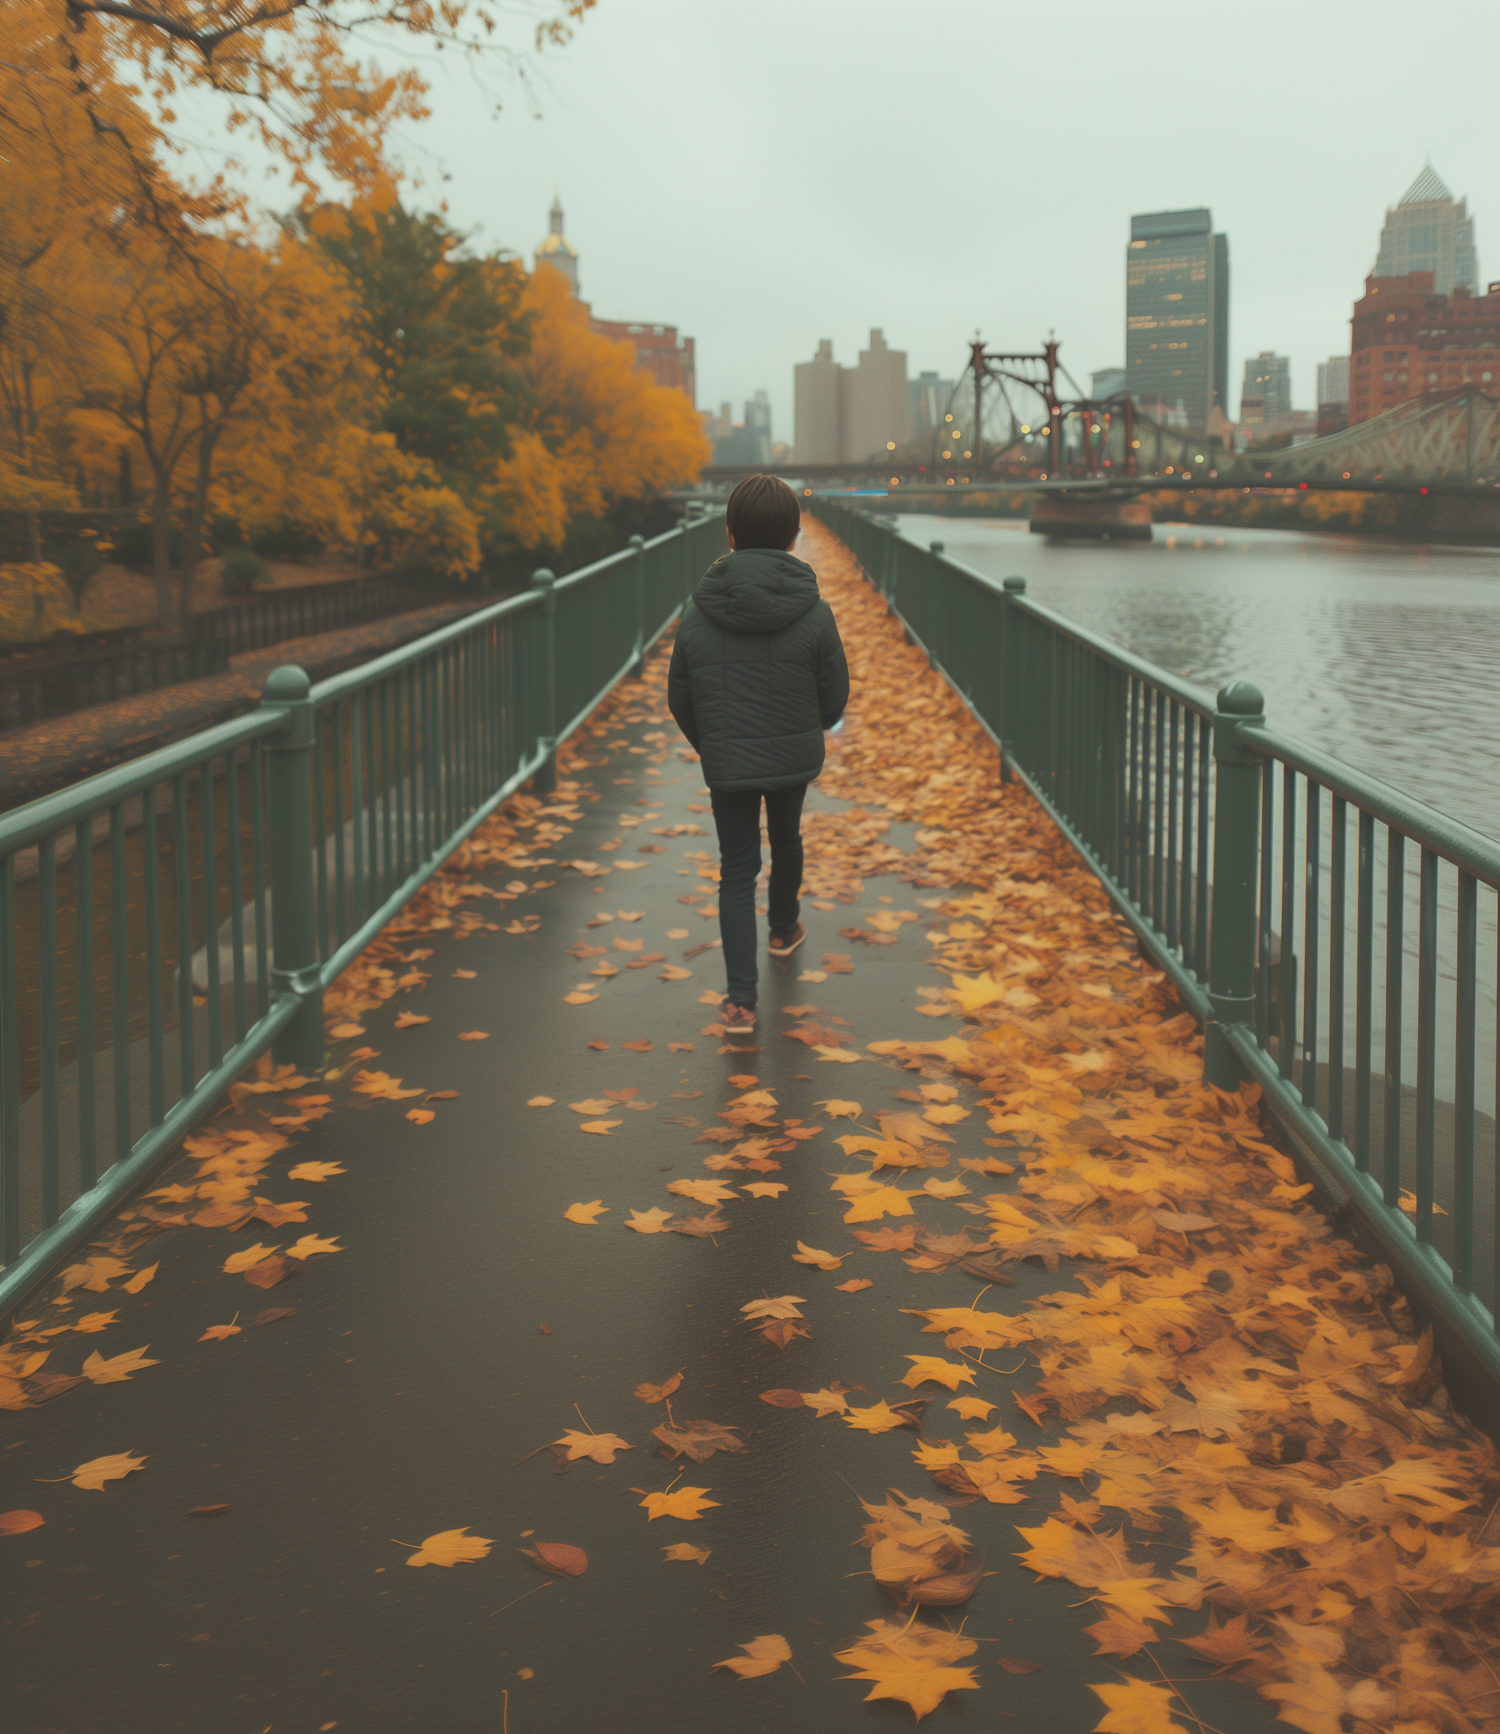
[
  {"x": 875, "y": 1418},
  {"x": 1137, "y": 1708},
  {"x": 587, "y": 1214},
  {"x": 382, "y": 1086},
  {"x": 877, "y": 1202},
  {"x": 941, "y": 1372},
  {"x": 825, "y": 1402},
  {"x": 648, "y": 1221},
  {"x": 781, "y": 1306},
  {"x": 686, "y": 1503},
  {"x": 764, "y": 1188},
  {"x": 451, "y": 1547},
  {"x": 703, "y": 1191},
  {"x": 315, "y": 1170},
  {"x": 91, "y": 1323},
  {"x": 971, "y": 1408},
  {"x": 93, "y": 1474},
  {"x": 540, "y": 1101},
  {"x": 841, "y": 1110},
  {"x": 597, "y": 1447},
  {"x": 684, "y": 1549},
  {"x": 140, "y": 1279},
  {"x": 602, "y": 1127},
  {"x": 944, "y": 1188},
  {"x": 762, "y": 1656},
  {"x": 806, "y": 1254},
  {"x": 118, "y": 1369},
  {"x": 945, "y": 1115},
  {"x": 312, "y": 1244}
]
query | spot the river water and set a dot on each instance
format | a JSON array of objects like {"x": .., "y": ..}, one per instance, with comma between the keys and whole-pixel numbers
[{"x": 1386, "y": 654}]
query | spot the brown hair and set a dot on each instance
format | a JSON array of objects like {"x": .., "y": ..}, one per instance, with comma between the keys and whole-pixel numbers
[{"x": 763, "y": 513}]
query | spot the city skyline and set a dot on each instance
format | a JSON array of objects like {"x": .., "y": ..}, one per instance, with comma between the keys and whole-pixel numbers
[{"x": 758, "y": 253}]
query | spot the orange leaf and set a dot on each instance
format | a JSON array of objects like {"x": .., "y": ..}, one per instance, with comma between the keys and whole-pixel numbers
[
  {"x": 473, "y": 1035},
  {"x": 558, "y": 1556}
]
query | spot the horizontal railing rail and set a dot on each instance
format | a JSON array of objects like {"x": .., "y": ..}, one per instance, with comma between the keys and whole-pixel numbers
[
  {"x": 1338, "y": 939},
  {"x": 164, "y": 924}
]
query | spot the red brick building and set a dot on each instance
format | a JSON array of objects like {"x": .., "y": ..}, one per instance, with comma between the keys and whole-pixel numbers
[
  {"x": 658, "y": 349},
  {"x": 1408, "y": 341}
]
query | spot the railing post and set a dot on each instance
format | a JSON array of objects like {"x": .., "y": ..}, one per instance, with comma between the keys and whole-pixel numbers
[
  {"x": 545, "y": 779},
  {"x": 294, "y": 925},
  {"x": 1010, "y": 681},
  {"x": 1232, "y": 911},
  {"x": 638, "y": 666}
]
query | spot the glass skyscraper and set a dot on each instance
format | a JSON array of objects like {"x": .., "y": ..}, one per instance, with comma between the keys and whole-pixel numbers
[
  {"x": 1177, "y": 316},
  {"x": 1429, "y": 231}
]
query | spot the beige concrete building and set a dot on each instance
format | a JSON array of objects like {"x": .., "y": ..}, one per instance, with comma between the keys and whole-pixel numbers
[{"x": 851, "y": 414}]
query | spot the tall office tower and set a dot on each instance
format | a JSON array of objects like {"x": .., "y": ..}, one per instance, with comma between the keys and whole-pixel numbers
[
  {"x": 1429, "y": 231},
  {"x": 1333, "y": 380},
  {"x": 1177, "y": 315},
  {"x": 929, "y": 402},
  {"x": 817, "y": 413},
  {"x": 877, "y": 404},
  {"x": 851, "y": 414},
  {"x": 1267, "y": 386}
]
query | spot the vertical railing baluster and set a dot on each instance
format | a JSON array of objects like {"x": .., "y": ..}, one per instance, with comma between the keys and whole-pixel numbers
[
  {"x": 211, "y": 911},
  {"x": 1364, "y": 989},
  {"x": 1286, "y": 978},
  {"x": 1201, "y": 897},
  {"x": 83, "y": 960},
  {"x": 1427, "y": 963},
  {"x": 10, "y": 1069},
  {"x": 235, "y": 871},
  {"x": 1266, "y": 909},
  {"x": 1158, "y": 810},
  {"x": 156, "y": 1038},
  {"x": 119, "y": 944},
  {"x": 1312, "y": 903},
  {"x": 1337, "y": 934},
  {"x": 46, "y": 855},
  {"x": 261, "y": 883},
  {"x": 187, "y": 1074},
  {"x": 1395, "y": 915},
  {"x": 1169, "y": 797},
  {"x": 1467, "y": 939}
]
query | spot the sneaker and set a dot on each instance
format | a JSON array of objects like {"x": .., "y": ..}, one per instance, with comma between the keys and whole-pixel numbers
[
  {"x": 738, "y": 1018},
  {"x": 784, "y": 944}
]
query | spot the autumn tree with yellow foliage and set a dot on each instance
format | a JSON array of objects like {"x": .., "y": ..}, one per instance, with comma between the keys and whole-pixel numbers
[{"x": 353, "y": 373}]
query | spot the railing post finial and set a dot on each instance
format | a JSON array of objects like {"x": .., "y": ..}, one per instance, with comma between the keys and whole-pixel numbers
[{"x": 1236, "y": 848}]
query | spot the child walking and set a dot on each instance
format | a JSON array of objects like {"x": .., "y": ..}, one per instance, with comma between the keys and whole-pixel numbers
[{"x": 758, "y": 673}]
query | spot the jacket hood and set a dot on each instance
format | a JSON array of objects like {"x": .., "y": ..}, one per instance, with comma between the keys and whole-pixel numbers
[{"x": 756, "y": 590}]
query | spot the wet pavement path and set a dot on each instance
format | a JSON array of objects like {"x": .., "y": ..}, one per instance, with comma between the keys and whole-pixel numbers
[{"x": 464, "y": 1322}]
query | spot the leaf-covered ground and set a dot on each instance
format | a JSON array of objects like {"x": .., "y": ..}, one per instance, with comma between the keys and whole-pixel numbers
[{"x": 944, "y": 1349}]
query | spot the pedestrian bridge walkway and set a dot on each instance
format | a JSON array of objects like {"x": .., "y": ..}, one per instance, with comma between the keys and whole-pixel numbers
[{"x": 946, "y": 1348}]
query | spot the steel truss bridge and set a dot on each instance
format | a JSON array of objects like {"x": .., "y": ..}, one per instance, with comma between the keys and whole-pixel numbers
[{"x": 1445, "y": 444}]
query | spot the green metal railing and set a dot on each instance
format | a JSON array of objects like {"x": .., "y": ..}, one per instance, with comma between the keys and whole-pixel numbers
[
  {"x": 1336, "y": 938},
  {"x": 163, "y": 924}
]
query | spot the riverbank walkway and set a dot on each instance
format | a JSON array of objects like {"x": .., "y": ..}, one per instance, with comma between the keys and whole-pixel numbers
[{"x": 945, "y": 1348}]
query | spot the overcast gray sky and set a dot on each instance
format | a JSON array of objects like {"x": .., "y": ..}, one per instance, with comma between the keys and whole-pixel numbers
[{"x": 766, "y": 175}]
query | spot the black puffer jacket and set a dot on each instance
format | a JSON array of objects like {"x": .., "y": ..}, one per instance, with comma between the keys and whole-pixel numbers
[{"x": 758, "y": 671}]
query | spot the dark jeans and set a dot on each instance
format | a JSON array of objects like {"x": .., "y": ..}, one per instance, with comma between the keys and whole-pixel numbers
[{"x": 737, "y": 816}]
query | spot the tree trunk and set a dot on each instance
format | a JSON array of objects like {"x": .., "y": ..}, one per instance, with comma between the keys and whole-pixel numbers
[{"x": 161, "y": 555}]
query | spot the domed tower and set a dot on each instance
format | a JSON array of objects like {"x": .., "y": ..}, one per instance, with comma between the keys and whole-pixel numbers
[{"x": 556, "y": 249}]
